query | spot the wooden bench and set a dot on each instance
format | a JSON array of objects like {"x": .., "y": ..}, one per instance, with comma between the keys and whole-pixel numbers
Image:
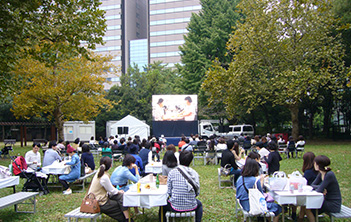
[
  {"x": 83, "y": 179},
  {"x": 19, "y": 198},
  {"x": 190, "y": 214},
  {"x": 77, "y": 214},
  {"x": 345, "y": 212},
  {"x": 238, "y": 207}
]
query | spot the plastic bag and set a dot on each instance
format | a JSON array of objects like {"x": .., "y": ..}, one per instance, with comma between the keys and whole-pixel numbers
[
  {"x": 4, "y": 172},
  {"x": 278, "y": 181},
  {"x": 257, "y": 201},
  {"x": 296, "y": 181}
]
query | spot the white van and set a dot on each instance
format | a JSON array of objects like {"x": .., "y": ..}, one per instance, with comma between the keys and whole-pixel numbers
[{"x": 236, "y": 130}]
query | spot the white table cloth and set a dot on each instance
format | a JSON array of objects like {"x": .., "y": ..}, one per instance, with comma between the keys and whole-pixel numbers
[
  {"x": 56, "y": 168},
  {"x": 147, "y": 198},
  {"x": 310, "y": 199},
  {"x": 10, "y": 181},
  {"x": 153, "y": 167}
]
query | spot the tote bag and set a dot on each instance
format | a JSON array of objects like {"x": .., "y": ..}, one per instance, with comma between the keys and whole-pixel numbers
[{"x": 257, "y": 201}]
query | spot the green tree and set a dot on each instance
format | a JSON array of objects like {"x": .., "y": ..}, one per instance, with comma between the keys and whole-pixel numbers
[
  {"x": 57, "y": 27},
  {"x": 283, "y": 52},
  {"x": 71, "y": 90},
  {"x": 206, "y": 40}
]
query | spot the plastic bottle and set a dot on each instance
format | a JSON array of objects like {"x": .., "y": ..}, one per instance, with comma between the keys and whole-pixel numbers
[{"x": 157, "y": 182}]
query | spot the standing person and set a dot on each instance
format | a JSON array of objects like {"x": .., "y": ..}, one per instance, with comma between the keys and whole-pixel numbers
[
  {"x": 33, "y": 158},
  {"x": 110, "y": 199},
  {"x": 229, "y": 158},
  {"x": 169, "y": 162},
  {"x": 87, "y": 157},
  {"x": 182, "y": 195},
  {"x": 273, "y": 158},
  {"x": 51, "y": 154},
  {"x": 291, "y": 149},
  {"x": 73, "y": 175},
  {"x": 327, "y": 184},
  {"x": 247, "y": 181}
]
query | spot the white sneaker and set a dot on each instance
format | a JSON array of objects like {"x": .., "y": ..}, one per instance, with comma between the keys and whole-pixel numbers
[{"x": 67, "y": 192}]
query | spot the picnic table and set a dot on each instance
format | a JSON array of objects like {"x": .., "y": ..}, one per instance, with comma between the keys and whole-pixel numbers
[
  {"x": 147, "y": 198},
  {"x": 153, "y": 167}
]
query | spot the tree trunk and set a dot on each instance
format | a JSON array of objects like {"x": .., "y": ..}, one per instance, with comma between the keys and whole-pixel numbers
[
  {"x": 310, "y": 124},
  {"x": 59, "y": 123},
  {"x": 294, "y": 111}
]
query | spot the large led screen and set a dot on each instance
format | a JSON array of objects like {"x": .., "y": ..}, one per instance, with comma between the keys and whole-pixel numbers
[{"x": 174, "y": 107}]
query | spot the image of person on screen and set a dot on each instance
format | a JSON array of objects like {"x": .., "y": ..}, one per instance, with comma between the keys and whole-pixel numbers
[
  {"x": 189, "y": 111},
  {"x": 159, "y": 110}
]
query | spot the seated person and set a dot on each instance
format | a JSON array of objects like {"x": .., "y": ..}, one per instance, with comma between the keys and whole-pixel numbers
[
  {"x": 327, "y": 184},
  {"x": 73, "y": 175},
  {"x": 229, "y": 158},
  {"x": 106, "y": 148},
  {"x": 60, "y": 145},
  {"x": 138, "y": 161},
  {"x": 169, "y": 162},
  {"x": 172, "y": 148},
  {"x": 145, "y": 153},
  {"x": 247, "y": 181},
  {"x": 51, "y": 154},
  {"x": 110, "y": 199},
  {"x": 33, "y": 158},
  {"x": 237, "y": 151},
  {"x": 300, "y": 142},
  {"x": 182, "y": 195},
  {"x": 255, "y": 156},
  {"x": 115, "y": 145},
  {"x": 122, "y": 174},
  {"x": 87, "y": 157}
]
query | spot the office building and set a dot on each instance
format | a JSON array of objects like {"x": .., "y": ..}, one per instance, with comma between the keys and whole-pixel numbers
[
  {"x": 168, "y": 22},
  {"x": 144, "y": 31}
]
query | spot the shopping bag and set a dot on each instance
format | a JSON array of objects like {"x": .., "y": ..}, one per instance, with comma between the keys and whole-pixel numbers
[
  {"x": 278, "y": 181},
  {"x": 162, "y": 179},
  {"x": 296, "y": 181},
  {"x": 257, "y": 201},
  {"x": 90, "y": 204}
]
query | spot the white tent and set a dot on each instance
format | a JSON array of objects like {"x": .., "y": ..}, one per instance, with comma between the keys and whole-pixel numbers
[{"x": 129, "y": 126}]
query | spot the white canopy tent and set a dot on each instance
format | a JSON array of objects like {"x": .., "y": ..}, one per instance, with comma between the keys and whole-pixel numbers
[{"x": 129, "y": 126}]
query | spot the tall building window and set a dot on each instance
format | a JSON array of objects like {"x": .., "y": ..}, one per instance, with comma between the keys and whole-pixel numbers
[{"x": 138, "y": 53}]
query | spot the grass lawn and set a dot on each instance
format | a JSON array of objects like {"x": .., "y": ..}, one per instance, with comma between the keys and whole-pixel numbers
[{"x": 218, "y": 204}]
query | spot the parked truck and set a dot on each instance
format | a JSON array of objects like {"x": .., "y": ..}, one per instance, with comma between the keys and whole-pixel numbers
[{"x": 206, "y": 129}]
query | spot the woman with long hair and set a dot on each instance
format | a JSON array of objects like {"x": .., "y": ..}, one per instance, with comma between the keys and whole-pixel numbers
[
  {"x": 110, "y": 199},
  {"x": 247, "y": 181},
  {"x": 169, "y": 162},
  {"x": 327, "y": 184}
]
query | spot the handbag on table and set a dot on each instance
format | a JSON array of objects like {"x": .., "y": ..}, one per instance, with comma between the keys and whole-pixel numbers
[
  {"x": 90, "y": 204},
  {"x": 278, "y": 181},
  {"x": 162, "y": 179}
]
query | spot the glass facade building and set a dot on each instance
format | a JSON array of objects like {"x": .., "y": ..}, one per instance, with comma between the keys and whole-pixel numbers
[
  {"x": 144, "y": 31},
  {"x": 138, "y": 53}
]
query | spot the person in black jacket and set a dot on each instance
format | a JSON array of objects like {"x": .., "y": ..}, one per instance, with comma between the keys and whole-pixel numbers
[
  {"x": 228, "y": 158},
  {"x": 273, "y": 158}
]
